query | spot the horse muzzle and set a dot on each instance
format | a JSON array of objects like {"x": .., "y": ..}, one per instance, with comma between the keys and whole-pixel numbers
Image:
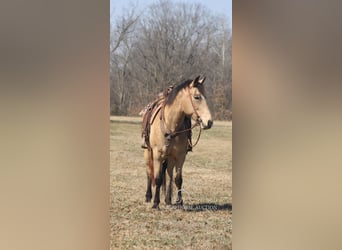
[{"x": 208, "y": 125}]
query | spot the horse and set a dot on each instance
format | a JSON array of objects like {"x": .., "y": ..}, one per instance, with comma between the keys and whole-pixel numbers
[{"x": 168, "y": 140}]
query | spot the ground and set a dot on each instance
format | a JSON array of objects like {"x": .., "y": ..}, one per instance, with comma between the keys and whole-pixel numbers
[{"x": 205, "y": 222}]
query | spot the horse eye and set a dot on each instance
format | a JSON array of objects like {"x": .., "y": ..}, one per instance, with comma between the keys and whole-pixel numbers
[{"x": 197, "y": 97}]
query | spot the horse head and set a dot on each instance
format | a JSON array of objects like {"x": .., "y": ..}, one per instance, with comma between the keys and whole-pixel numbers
[{"x": 196, "y": 104}]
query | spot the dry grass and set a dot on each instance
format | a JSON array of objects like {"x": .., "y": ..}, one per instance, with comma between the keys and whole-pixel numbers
[{"x": 206, "y": 220}]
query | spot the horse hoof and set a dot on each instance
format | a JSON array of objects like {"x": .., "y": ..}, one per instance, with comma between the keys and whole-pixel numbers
[
  {"x": 179, "y": 202},
  {"x": 155, "y": 206},
  {"x": 148, "y": 197}
]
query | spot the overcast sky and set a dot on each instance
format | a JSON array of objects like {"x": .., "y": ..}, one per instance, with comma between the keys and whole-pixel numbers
[{"x": 217, "y": 6}]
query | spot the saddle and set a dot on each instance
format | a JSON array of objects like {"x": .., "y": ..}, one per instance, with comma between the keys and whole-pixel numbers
[{"x": 151, "y": 110}]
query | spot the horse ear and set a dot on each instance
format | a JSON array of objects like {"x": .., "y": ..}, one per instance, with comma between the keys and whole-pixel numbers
[
  {"x": 194, "y": 82},
  {"x": 202, "y": 80}
]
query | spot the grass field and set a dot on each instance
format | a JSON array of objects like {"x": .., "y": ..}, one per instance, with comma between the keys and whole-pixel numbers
[{"x": 206, "y": 220}]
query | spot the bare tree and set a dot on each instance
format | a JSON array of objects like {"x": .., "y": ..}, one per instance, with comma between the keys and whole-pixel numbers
[
  {"x": 169, "y": 43},
  {"x": 120, "y": 47}
]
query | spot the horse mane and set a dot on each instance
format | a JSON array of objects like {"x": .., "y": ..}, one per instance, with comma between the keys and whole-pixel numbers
[{"x": 172, "y": 95}]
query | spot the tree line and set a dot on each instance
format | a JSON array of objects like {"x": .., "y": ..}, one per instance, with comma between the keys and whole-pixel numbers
[{"x": 167, "y": 43}]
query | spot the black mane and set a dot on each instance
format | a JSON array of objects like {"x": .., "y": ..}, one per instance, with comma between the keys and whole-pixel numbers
[{"x": 172, "y": 95}]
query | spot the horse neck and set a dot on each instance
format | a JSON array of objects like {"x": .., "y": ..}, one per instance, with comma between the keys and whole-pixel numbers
[{"x": 174, "y": 114}]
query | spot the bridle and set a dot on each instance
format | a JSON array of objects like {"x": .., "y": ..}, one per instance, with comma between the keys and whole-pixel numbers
[
  {"x": 169, "y": 134},
  {"x": 198, "y": 118}
]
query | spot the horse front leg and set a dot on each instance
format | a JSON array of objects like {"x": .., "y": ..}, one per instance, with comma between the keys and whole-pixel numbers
[
  {"x": 168, "y": 181},
  {"x": 179, "y": 181},
  {"x": 157, "y": 193}
]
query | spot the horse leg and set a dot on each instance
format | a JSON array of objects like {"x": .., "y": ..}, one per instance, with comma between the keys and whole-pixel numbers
[
  {"x": 157, "y": 193},
  {"x": 149, "y": 189},
  {"x": 168, "y": 182},
  {"x": 157, "y": 164},
  {"x": 179, "y": 181},
  {"x": 149, "y": 180}
]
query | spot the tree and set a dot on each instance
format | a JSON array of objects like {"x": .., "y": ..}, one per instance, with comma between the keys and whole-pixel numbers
[
  {"x": 120, "y": 48},
  {"x": 169, "y": 43}
]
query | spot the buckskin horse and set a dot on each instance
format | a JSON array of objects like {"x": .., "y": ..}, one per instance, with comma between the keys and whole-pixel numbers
[{"x": 167, "y": 138}]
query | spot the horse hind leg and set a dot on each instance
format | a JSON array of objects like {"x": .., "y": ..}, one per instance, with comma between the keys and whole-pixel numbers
[
  {"x": 149, "y": 179},
  {"x": 158, "y": 179}
]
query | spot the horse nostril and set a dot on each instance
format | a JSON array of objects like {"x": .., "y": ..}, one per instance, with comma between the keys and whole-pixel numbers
[{"x": 210, "y": 123}]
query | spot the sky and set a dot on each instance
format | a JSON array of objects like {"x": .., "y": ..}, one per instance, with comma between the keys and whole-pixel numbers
[{"x": 217, "y": 6}]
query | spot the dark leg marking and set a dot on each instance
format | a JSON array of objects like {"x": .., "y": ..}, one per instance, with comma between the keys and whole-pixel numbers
[
  {"x": 149, "y": 189},
  {"x": 156, "y": 201},
  {"x": 179, "y": 181}
]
